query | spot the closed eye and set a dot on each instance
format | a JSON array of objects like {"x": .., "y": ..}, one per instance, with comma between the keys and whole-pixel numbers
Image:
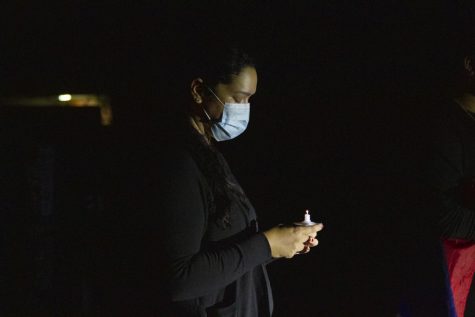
[{"x": 242, "y": 97}]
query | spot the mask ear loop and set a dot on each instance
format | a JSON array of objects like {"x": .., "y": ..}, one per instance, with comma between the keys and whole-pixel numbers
[
  {"x": 211, "y": 91},
  {"x": 207, "y": 115},
  {"x": 213, "y": 121}
]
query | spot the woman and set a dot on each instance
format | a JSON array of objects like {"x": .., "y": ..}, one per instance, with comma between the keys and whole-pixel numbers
[{"x": 215, "y": 253}]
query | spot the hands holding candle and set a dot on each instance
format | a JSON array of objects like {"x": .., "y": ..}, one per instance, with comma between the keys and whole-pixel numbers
[{"x": 286, "y": 241}]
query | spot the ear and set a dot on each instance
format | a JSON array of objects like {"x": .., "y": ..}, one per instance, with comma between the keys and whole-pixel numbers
[
  {"x": 197, "y": 90},
  {"x": 468, "y": 66}
]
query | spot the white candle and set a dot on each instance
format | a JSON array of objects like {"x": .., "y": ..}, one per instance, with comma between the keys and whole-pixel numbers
[
  {"x": 306, "y": 221},
  {"x": 307, "y": 217}
]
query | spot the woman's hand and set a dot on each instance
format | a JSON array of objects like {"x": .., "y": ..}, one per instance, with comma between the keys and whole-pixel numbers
[
  {"x": 310, "y": 243},
  {"x": 287, "y": 241}
]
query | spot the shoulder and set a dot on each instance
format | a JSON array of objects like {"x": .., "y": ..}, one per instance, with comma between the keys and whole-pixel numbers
[
  {"x": 174, "y": 169},
  {"x": 175, "y": 159}
]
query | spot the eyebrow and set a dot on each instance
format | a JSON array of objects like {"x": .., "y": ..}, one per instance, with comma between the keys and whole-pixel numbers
[{"x": 244, "y": 93}]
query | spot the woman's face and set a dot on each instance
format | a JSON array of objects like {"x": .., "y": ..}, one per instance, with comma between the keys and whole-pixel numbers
[{"x": 241, "y": 88}]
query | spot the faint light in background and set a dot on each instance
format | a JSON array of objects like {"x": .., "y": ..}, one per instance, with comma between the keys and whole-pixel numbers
[
  {"x": 66, "y": 97},
  {"x": 66, "y": 100}
]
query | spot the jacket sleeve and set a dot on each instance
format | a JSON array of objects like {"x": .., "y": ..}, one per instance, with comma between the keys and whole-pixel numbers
[
  {"x": 193, "y": 271},
  {"x": 444, "y": 174}
]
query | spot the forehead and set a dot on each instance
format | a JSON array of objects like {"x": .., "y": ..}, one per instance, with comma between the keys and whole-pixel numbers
[{"x": 245, "y": 81}]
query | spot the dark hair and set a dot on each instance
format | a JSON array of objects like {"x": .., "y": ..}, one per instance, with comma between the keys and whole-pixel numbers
[
  {"x": 216, "y": 68},
  {"x": 224, "y": 192},
  {"x": 219, "y": 64},
  {"x": 456, "y": 40}
]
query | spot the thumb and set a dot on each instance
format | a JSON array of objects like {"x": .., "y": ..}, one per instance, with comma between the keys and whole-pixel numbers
[{"x": 314, "y": 228}]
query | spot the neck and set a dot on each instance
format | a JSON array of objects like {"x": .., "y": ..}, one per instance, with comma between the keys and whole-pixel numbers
[{"x": 467, "y": 101}]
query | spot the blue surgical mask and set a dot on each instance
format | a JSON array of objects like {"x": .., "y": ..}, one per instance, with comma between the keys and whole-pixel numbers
[{"x": 234, "y": 120}]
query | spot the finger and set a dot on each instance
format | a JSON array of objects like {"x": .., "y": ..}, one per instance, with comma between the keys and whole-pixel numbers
[
  {"x": 312, "y": 235},
  {"x": 307, "y": 232},
  {"x": 311, "y": 242},
  {"x": 313, "y": 229},
  {"x": 306, "y": 249}
]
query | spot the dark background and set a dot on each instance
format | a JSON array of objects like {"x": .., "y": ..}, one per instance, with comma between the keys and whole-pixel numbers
[{"x": 343, "y": 90}]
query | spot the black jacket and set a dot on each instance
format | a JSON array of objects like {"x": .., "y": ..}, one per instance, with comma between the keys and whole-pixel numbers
[
  {"x": 212, "y": 270},
  {"x": 162, "y": 254},
  {"x": 451, "y": 165}
]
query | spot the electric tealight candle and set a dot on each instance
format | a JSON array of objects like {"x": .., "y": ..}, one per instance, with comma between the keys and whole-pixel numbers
[
  {"x": 307, "y": 216},
  {"x": 306, "y": 221}
]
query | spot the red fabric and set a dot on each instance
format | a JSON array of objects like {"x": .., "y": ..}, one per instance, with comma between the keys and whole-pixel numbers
[{"x": 460, "y": 257}]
